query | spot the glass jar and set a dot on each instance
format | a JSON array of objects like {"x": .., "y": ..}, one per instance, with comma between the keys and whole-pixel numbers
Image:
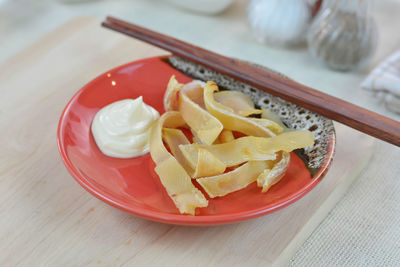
[{"x": 343, "y": 34}]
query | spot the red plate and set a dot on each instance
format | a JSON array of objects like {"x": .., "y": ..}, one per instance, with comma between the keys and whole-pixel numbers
[{"x": 131, "y": 184}]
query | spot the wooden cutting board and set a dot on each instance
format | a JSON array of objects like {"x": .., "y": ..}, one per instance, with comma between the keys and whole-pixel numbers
[{"x": 46, "y": 218}]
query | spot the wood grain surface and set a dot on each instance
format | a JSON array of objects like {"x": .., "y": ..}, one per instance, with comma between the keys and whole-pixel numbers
[
  {"x": 47, "y": 219},
  {"x": 331, "y": 107}
]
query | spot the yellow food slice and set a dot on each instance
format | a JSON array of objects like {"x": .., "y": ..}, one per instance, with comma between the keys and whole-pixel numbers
[
  {"x": 271, "y": 177},
  {"x": 225, "y": 136},
  {"x": 179, "y": 186},
  {"x": 171, "y": 94},
  {"x": 229, "y": 119},
  {"x": 271, "y": 125},
  {"x": 207, "y": 164},
  {"x": 206, "y": 126},
  {"x": 237, "y": 102},
  {"x": 170, "y": 119},
  {"x": 172, "y": 175},
  {"x": 196, "y": 139},
  {"x": 194, "y": 90},
  {"x": 223, "y": 184},
  {"x": 174, "y": 138},
  {"x": 250, "y": 148},
  {"x": 268, "y": 114},
  {"x": 230, "y": 154}
]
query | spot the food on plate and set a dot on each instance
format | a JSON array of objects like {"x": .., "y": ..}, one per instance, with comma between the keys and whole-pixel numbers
[
  {"x": 173, "y": 138},
  {"x": 206, "y": 127},
  {"x": 210, "y": 141},
  {"x": 220, "y": 140},
  {"x": 239, "y": 178},
  {"x": 171, "y": 95},
  {"x": 275, "y": 127},
  {"x": 122, "y": 129},
  {"x": 271, "y": 176},
  {"x": 173, "y": 176},
  {"x": 237, "y": 102},
  {"x": 207, "y": 164},
  {"x": 226, "y": 136},
  {"x": 229, "y": 119},
  {"x": 250, "y": 148},
  {"x": 270, "y": 116}
]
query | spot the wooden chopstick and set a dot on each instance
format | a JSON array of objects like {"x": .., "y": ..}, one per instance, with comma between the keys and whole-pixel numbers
[{"x": 331, "y": 107}]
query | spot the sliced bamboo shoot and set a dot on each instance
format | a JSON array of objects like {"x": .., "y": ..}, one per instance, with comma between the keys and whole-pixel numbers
[
  {"x": 250, "y": 148},
  {"x": 171, "y": 94},
  {"x": 271, "y": 177},
  {"x": 206, "y": 126},
  {"x": 172, "y": 175},
  {"x": 174, "y": 138},
  {"x": 239, "y": 178},
  {"x": 228, "y": 118},
  {"x": 207, "y": 164},
  {"x": 237, "y": 102}
]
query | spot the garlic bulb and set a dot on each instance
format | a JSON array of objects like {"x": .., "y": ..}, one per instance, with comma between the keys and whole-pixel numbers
[{"x": 279, "y": 22}]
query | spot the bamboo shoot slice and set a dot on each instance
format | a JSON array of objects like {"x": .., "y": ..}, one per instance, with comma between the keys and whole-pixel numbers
[
  {"x": 229, "y": 119},
  {"x": 271, "y": 125},
  {"x": 206, "y": 126},
  {"x": 250, "y": 148},
  {"x": 268, "y": 114},
  {"x": 271, "y": 177},
  {"x": 226, "y": 136},
  {"x": 239, "y": 178},
  {"x": 176, "y": 181},
  {"x": 207, "y": 164},
  {"x": 237, "y": 102},
  {"x": 171, "y": 94},
  {"x": 173, "y": 176},
  {"x": 174, "y": 138},
  {"x": 194, "y": 90},
  {"x": 196, "y": 139}
]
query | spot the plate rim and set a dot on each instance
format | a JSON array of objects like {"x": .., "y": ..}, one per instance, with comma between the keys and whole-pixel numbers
[{"x": 181, "y": 219}]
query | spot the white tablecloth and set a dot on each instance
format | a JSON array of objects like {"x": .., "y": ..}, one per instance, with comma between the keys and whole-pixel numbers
[{"x": 363, "y": 229}]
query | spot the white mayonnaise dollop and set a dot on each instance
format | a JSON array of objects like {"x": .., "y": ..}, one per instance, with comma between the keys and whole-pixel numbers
[{"x": 122, "y": 129}]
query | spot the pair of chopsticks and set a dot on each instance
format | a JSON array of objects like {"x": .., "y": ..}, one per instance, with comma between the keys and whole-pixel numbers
[{"x": 331, "y": 107}]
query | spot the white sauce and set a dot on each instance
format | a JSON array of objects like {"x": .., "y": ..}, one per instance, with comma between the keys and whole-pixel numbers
[{"x": 122, "y": 129}]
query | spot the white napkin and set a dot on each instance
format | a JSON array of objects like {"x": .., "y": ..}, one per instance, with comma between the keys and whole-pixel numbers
[{"x": 384, "y": 82}]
